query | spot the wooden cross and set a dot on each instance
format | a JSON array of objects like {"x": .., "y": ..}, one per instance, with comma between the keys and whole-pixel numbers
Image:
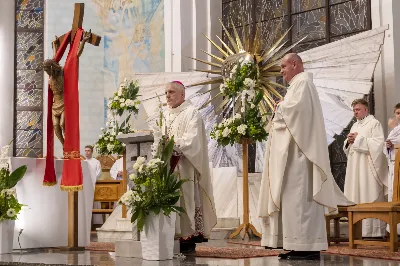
[
  {"x": 79, "y": 11},
  {"x": 73, "y": 196}
]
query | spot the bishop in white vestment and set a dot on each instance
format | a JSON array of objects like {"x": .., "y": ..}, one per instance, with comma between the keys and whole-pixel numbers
[
  {"x": 367, "y": 168},
  {"x": 184, "y": 122},
  {"x": 297, "y": 184}
]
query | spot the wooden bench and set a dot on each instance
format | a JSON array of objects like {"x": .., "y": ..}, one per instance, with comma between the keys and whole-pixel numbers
[{"x": 342, "y": 213}]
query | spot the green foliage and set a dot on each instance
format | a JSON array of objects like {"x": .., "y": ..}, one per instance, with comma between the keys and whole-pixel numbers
[
  {"x": 248, "y": 125},
  {"x": 9, "y": 205},
  {"x": 156, "y": 189}
]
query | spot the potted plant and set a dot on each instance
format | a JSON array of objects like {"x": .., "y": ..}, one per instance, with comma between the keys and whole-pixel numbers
[
  {"x": 152, "y": 202},
  {"x": 9, "y": 205}
]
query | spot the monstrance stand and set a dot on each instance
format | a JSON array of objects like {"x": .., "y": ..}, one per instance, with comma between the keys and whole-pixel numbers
[{"x": 248, "y": 228}]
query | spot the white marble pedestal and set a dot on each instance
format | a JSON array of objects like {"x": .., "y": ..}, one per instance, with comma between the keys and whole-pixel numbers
[
  {"x": 133, "y": 249},
  {"x": 115, "y": 228}
]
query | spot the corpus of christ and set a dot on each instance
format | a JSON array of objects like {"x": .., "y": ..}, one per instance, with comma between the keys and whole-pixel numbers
[{"x": 199, "y": 132}]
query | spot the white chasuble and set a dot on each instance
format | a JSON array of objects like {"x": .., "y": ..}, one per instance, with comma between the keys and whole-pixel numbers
[
  {"x": 186, "y": 125},
  {"x": 297, "y": 186},
  {"x": 367, "y": 170}
]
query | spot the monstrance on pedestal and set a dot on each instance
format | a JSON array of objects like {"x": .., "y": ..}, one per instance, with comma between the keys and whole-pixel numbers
[{"x": 247, "y": 71}]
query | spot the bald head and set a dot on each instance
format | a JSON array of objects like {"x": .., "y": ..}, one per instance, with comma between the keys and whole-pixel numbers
[
  {"x": 291, "y": 65},
  {"x": 175, "y": 94}
]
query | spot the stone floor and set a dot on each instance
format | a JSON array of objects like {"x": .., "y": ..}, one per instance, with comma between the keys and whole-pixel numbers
[
  {"x": 32, "y": 257},
  {"x": 108, "y": 258}
]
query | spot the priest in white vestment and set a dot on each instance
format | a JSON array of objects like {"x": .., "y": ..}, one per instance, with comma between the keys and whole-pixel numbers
[
  {"x": 388, "y": 149},
  {"x": 117, "y": 169},
  {"x": 367, "y": 168},
  {"x": 297, "y": 187},
  {"x": 184, "y": 122}
]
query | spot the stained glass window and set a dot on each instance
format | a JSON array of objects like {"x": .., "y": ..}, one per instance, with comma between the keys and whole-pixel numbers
[
  {"x": 28, "y": 126},
  {"x": 322, "y": 21}
]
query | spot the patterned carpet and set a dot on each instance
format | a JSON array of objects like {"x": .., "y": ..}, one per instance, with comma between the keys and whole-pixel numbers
[
  {"x": 343, "y": 249},
  {"x": 209, "y": 252}
]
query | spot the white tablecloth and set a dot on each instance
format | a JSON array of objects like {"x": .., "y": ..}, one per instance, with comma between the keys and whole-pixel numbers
[{"x": 45, "y": 220}]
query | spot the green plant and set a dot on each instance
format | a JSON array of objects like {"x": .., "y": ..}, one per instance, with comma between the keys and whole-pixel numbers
[
  {"x": 9, "y": 205},
  {"x": 246, "y": 125},
  {"x": 156, "y": 188}
]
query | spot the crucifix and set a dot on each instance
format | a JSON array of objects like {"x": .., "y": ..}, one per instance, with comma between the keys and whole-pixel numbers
[
  {"x": 79, "y": 11},
  {"x": 69, "y": 153}
]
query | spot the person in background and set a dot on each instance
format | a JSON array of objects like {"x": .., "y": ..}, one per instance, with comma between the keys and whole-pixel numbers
[
  {"x": 388, "y": 150},
  {"x": 367, "y": 169}
]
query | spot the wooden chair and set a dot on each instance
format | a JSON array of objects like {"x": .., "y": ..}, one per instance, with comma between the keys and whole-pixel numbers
[
  {"x": 105, "y": 192},
  {"x": 388, "y": 212},
  {"x": 106, "y": 162},
  {"x": 342, "y": 212}
]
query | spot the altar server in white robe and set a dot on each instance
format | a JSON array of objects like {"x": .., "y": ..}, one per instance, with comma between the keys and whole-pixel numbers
[
  {"x": 297, "y": 183},
  {"x": 117, "y": 169},
  {"x": 95, "y": 168},
  {"x": 184, "y": 122},
  {"x": 93, "y": 163},
  {"x": 392, "y": 139},
  {"x": 367, "y": 168}
]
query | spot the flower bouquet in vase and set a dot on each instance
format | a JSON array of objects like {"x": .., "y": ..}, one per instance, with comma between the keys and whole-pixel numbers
[
  {"x": 152, "y": 201},
  {"x": 9, "y": 205}
]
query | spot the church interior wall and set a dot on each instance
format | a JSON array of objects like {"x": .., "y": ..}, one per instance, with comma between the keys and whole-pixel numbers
[{"x": 7, "y": 34}]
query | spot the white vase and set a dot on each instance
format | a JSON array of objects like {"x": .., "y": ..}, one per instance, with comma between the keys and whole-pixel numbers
[
  {"x": 6, "y": 236},
  {"x": 157, "y": 237}
]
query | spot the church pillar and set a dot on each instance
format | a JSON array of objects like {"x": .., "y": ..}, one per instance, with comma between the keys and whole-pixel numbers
[
  {"x": 185, "y": 23},
  {"x": 387, "y": 73},
  {"x": 7, "y": 86}
]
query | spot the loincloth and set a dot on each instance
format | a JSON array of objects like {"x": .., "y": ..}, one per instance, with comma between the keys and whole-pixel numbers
[{"x": 58, "y": 108}]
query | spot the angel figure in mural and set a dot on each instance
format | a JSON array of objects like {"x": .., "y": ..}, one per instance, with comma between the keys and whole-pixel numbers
[{"x": 56, "y": 83}]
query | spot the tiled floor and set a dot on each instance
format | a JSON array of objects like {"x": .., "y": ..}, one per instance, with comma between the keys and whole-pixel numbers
[
  {"x": 108, "y": 258},
  {"x": 105, "y": 258}
]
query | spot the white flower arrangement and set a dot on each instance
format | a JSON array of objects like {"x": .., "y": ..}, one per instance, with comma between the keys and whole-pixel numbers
[
  {"x": 125, "y": 99},
  {"x": 108, "y": 143}
]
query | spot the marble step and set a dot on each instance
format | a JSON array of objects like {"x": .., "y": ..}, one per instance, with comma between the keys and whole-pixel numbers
[
  {"x": 227, "y": 222},
  {"x": 221, "y": 233},
  {"x": 133, "y": 249},
  {"x": 112, "y": 235}
]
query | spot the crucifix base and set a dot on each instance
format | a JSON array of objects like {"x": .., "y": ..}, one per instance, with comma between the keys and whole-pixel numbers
[
  {"x": 72, "y": 223},
  {"x": 248, "y": 229}
]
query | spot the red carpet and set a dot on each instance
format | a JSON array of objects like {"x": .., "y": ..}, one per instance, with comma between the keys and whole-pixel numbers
[{"x": 343, "y": 249}]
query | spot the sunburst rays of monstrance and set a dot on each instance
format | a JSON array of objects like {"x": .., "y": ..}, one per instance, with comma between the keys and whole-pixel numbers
[{"x": 267, "y": 59}]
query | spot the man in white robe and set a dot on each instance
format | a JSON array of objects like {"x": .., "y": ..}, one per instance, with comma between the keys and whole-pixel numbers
[
  {"x": 297, "y": 182},
  {"x": 117, "y": 169},
  {"x": 94, "y": 163},
  {"x": 388, "y": 149},
  {"x": 367, "y": 168},
  {"x": 95, "y": 168},
  {"x": 185, "y": 123}
]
